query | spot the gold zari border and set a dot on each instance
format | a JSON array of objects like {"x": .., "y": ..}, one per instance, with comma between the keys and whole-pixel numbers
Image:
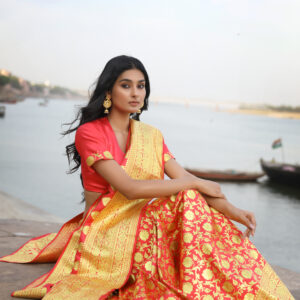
[{"x": 270, "y": 284}]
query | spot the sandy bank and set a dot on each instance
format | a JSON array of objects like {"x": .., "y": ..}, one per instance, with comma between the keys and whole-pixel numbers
[
  {"x": 267, "y": 113},
  {"x": 13, "y": 208}
]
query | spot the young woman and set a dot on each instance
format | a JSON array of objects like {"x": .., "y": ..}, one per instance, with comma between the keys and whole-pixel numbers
[{"x": 140, "y": 236}]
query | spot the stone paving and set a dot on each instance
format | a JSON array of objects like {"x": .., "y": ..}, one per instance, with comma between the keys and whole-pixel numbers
[{"x": 13, "y": 234}]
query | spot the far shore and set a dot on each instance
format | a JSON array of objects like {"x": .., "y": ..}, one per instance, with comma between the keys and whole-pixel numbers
[
  {"x": 267, "y": 113},
  {"x": 226, "y": 106}
]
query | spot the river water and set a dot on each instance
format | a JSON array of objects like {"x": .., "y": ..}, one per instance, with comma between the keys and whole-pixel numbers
[{"x": 33, "y": 165}]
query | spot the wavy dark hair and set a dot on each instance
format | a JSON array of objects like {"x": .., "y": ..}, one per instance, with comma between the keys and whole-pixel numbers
[{"x": 94, "y": 109}]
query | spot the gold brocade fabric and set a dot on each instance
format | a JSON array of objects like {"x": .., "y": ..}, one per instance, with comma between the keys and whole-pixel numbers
[
  {"x": 171, "y": 248},
  {"x": 187, "y": 250}
]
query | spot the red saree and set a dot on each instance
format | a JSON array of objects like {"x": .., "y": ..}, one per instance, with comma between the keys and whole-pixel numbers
[{"x": 175, "y": 247}]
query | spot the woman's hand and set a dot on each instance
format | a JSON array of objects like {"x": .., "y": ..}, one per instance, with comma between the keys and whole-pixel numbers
[
  {"x": 236, "y": 214},
  {"x": 209, "y": 188},
  {"x": 244, "y": 217}
]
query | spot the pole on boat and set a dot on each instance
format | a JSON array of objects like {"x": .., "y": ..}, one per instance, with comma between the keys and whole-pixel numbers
[
  {"x": 278, "y": 144},
  {"x": 282, "y": 153}
]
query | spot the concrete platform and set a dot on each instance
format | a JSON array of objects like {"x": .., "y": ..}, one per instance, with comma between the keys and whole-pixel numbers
[
  {"x": 13, "y": 234},
  {"x": 13, "y": 208}
]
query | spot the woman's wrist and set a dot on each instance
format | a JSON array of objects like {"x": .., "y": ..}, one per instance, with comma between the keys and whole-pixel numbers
[
  {"x": 220, "y": 204},
  {"x": 199, "y": 183},
  {"x": 192, "y": 182},
  {"x": 229, "y": 209}
]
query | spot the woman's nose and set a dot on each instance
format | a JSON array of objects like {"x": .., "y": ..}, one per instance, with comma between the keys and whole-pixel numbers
[{"x": 134, "y": 91}]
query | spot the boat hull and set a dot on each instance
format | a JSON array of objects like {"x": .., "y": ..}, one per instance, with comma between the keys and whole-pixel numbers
[
  {"x": 283, "y": 173},
  {"x": 226, "y": 176}
]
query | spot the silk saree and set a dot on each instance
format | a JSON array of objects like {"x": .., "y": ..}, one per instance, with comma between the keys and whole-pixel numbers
[{"x": 173, "y": 247}]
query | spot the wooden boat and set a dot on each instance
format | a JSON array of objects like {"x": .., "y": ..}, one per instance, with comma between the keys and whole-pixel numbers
[
  {"x": 281, "y": 172},
  {"x": 45, "y": 102},
  {"x": 226, "y": 175},
  {"x": 2, "y": 111},
  {"x": 8, "y": 100}
]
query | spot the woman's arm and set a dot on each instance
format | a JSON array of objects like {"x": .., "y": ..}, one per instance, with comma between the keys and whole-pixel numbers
[
  {"x": 174, "y": 170},
  {"x": 137, "y": 189},
  {"x": 180, "y": 180}
]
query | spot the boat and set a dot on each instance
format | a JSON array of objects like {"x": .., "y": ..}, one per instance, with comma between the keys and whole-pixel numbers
[
  {"x": 45, "y": 102},
  {"x": 226, "y": 175},
  {"x": 2, "y": 111},
  {"x": 281, "y": 172}
]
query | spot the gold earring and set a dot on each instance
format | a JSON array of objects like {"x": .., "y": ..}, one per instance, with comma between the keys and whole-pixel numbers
[
  {"x": 107, "y": 104},
  {"x": 139, "y": 111}
]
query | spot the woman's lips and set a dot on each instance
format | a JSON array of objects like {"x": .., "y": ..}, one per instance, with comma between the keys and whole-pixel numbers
[{"x": 134, "y": 103}]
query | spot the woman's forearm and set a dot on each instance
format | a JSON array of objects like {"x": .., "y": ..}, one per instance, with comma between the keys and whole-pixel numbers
[
  {"x": 220, "y": 204},
  {"x": 138, "y": 189},
  {"x": 159, "y": 188},
  {"x": 174, "y": 170}
]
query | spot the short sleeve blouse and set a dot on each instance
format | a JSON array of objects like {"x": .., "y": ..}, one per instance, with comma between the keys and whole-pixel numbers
[{"x": 96, "y": 140}]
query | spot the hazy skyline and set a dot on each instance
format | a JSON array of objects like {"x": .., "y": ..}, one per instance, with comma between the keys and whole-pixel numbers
[{"x": 223, "y": 50}]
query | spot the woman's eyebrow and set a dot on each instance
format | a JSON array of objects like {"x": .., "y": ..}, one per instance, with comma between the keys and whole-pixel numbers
[{"x": 125, "y": 79}]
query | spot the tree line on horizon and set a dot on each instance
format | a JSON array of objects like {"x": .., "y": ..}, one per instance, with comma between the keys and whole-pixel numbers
[
  {"x": 35, "y": 88},
  {"x": 279, "y": 108}
]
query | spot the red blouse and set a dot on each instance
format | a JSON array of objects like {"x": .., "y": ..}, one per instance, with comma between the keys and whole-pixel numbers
[{"x": 96, "y": 140}]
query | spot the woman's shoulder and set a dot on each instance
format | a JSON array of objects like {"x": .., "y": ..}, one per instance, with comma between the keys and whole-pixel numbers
[{"x": 94, "y": 127}]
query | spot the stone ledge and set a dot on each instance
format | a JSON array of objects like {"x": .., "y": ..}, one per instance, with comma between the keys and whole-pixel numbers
[{"x": 13, "y": 208}]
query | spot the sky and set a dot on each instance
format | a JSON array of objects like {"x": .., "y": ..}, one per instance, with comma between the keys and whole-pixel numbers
[{"x": 216, "y": 50}]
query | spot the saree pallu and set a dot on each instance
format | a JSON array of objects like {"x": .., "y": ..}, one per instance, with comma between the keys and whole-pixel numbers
[{"x": 174, "y": 247}]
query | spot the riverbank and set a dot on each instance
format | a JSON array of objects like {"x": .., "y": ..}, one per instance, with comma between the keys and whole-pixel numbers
[
  {"x": 19, "y": 222},
  {"x": 267, "y": 113},
  {"x": 13, "y": 234},
  {"x": 12, "y": 208}
]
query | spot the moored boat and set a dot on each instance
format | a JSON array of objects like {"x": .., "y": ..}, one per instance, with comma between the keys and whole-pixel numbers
[
  {"x": 282, "y": 172},
  {"x": 226, "y": 175},
  {"x": 2, "y": 111}
]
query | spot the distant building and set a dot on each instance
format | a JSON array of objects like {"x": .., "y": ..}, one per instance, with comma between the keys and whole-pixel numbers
[{"x": 25, "y": 85}]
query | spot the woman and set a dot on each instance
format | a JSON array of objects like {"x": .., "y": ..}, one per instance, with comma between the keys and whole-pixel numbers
[{"x": 140, "y": 236}]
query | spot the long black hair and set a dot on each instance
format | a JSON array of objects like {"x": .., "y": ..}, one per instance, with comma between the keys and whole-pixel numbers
[{"x": 94, "y": 109}]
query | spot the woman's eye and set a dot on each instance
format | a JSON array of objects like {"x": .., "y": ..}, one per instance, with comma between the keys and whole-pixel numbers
[{"x": 126, "y": 86}]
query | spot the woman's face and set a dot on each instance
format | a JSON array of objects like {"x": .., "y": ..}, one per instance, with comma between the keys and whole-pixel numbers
[{"x": 128, "y": 92}]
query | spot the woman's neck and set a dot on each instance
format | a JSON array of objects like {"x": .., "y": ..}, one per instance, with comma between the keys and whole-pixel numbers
[{"x": 119, "y": 122}]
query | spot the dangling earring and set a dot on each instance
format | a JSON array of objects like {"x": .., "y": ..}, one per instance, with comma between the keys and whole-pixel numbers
[
  {"x": 107, "y": 104},
  {"x": 139, "y": 110}
]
